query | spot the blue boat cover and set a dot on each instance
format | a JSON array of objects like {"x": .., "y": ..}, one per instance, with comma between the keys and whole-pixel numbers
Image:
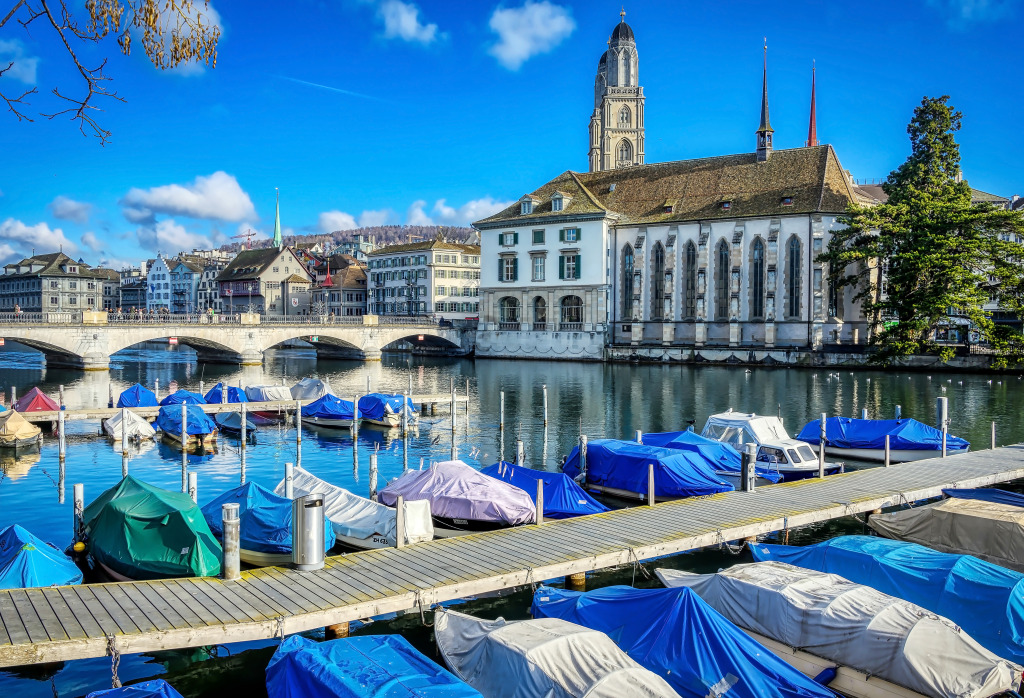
[
  {"x": 265, "y": 519},
  {"x": 984, "y": 599},
  {"x": 157, "y": 688},
  {"x": 904, "y": 434},
  {"x": 183, "y": 396},
  {"x": 988, "y": 495},
  {"x": 367, "y": 666},
  {"x": 232, "y": 421},
  {"x": 374, "y": 405},
  {"x": 137, "y": 396},
  {"x": 563, "y": 498},
  {"x": 330, "y": 407},
  {"x": 196, "y": 421},
  {"x": 215, "y": 395},
  {"x": 623, "y": 465},
  {"x": 678, "y": 636},
  {"x": 27, "y": 561},
  {"x": 722, "y": 457}
]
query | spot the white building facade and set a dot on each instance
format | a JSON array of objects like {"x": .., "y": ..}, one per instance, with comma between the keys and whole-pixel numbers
[
  {"x": 158, "y": 281},
  {"x": 436, "y": 278}
]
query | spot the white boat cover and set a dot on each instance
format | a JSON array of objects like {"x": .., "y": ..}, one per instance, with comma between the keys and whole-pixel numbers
[
  {"x": 546, "y": 657},
  {"x": 353, "y": 516},
  {"x": 269, "y": 393},
  {"x": 988, "y": 530},
  {"x": 743, "y": 428},
  {"x": 310, "y": 389},
  {"x": 134, "y": 426},
  {"x": 853, "y": 625}
]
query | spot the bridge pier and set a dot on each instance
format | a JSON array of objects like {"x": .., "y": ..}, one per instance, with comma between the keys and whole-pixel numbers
[
  {"x": 371, "y": 354},
  {"x": 92, "y": 362}
]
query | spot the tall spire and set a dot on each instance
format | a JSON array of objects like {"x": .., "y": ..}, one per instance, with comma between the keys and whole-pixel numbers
[
  {"x": 278, "y": 242},
  {"x": 622, "y": 15},
  {"x": 812, "y": 128},
  {"x": 765, "y": 130}
]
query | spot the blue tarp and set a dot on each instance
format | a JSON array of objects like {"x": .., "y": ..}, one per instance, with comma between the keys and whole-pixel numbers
[
  {"x": 183, "y": 396},
  {"x": 563, "y": 498},
  {"x": 157, "y": 688},
  {"x": 367, "y": 666},
  {"x": 196, "y": 421},
  {"x": 137, "y": 396},
  {"x": 675, "y": 634},
  {"x": 374, "y": 405},
  {"x": 984, "y": 599},
  {"x": 988, "y": 495},
  {"x": 623, "y": 465},
  {"x": 265, "y": 519},
  {"x": 904, "y": 434},
  {"x": 330, "y": 407},
  {"x": 215, "y": 395},
  {"x": 719, "y": 455},
  {"x": 27, "y": 561}
]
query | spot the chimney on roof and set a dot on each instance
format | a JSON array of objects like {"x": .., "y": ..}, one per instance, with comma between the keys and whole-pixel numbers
[
  {"x": 812, "y": 128},
  {"x": 765, "y": 130}
]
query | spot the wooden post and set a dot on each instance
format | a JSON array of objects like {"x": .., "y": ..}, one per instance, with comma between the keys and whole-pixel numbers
[
  {"x": 650, "y": 484},
  {"x": 193, "y": 487},
  {"x": 993, "y": 434},
  {"x": 888, "y": 452},
  {"x": 241, "y": 413},
  {"x": 520, "y": 453},
  {"x": 638, "y": 436},
  {"x": 821, "y": 447},
  {"x": 544, "y": 392},
  {"x": 400, "y": 520},
  {"x": 367, "y": 382},
  {"x": 336, "y": 631},
  {"x": 241, "y": 469},
  {"x": 864, "y": 413},
  {"x": 231, "y": 563},
  {"x": 184, "y": 447},
  {"x": 540, "y": 502},
  {"x": 899, "y": 412},
  {"x": 373, "y": 477},
  {"x": 78, "y": 493},
  {"x": 289, "y": 480},
  {"x": 576, "y": 582}
]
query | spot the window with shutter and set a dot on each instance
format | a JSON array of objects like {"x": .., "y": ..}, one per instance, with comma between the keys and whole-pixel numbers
[
  {"x": 561, "y": 235},
  {"x": 515, "y": 238},
  {"x": 501, "y": 269},
  {"x": 576, "y": 268},
  {"x": 561, "y": 266},
  {"x": 515, "y": 268}
]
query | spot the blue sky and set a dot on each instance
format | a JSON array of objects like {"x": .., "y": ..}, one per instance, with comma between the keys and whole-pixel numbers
[{"x": 371, "y": 111}]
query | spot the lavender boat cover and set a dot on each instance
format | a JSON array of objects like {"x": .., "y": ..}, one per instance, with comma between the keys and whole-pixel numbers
[{"x": 458, "y": 491}]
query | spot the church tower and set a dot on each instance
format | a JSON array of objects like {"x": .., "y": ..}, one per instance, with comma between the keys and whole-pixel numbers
[{"x": 617, "y": 124}]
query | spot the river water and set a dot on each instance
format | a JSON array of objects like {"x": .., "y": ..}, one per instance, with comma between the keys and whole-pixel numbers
[{"x": 602, "y": 400}]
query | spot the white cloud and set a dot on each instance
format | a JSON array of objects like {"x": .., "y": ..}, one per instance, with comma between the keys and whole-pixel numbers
[
  {"x": 401, "y": 20},
  {"x": 115, "y": 263},
  {"x": 369, "y": 219},
  {"x": 216, "y": 197},
  {"x": 39, "y": 237},
  {"x": 70, "y": 210},
  {"x": 90, "y": 240},
  {"x": 523, "y": 32},
  {"x": 416, "y": 215},
  {"x": 469, "y": 211},
  {"x": 8, "y": 254},
  {"x": 23, "y": 68},
  {"x": 335, "y": 220},
  {"x": 170, "y": 237}
]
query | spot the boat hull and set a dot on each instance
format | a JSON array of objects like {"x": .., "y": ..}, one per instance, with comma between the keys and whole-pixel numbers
[
  {"x": 21, "y": 444},
  {"x": 794, "y": 474},
  {"x": 193, "y": 440},
  {"x": 260, "y": 418},
  {"x": 445, "y": 527},
  {"x": 895, "y": 455},
  {"x": 373, "y": 542},
  {"x": 634, "y": 496},
  {"x": 258, "y": 558},
  {"x": 390, "y": 421},
  {"x": 327, "y": 422}
]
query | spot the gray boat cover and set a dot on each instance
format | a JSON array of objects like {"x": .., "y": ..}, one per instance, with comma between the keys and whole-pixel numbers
[
  {"x": 134, "y": 426},
  {"x": 459, "y": 491},
  {"x": 991, "y": 531},
  {"x": 358, "y": 517},
  {"x": 269, "y": 393},
  {"x": 310, "y": 389},
  {"x": 853, "y": 625},
  {"x": 542, "y": 658}
]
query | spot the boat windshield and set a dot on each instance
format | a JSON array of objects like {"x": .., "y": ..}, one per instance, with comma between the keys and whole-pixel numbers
[
  {"x": 807, "y": 453},
  {"x": 770, "y": 454},
  {"x": 793, "y": 456},
  {"x": 730, "y": 434}
]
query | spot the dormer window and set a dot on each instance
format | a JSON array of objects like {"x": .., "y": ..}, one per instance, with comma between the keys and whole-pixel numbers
[
  {"x": 668, "y": 207},
  {"x": 726, "y": 205},
  {"x": 560, "y": 201},
  {"x": 787, "y": 201},
  {"x": 526, "y": 204}
]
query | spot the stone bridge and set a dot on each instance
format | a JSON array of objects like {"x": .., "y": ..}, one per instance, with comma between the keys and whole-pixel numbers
[{"x": 88, "y": 339}]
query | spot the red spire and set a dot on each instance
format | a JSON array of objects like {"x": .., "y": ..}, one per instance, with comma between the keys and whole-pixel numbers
[
  {"x": 327, "y": 281},
  {"x": 812, "y": 128}
]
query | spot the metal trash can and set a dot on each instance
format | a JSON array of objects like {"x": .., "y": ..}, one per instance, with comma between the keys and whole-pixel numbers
[{"x": 308, "y": 532}]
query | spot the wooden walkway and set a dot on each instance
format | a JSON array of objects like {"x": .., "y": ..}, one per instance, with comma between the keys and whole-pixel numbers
[{"x": 64, "y": 623}]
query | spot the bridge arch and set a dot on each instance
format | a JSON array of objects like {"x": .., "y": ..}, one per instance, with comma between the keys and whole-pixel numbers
[{"x": 55, "y": 355}]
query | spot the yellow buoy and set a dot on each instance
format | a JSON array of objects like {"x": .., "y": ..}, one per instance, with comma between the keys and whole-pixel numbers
[{"x": 79, "y": 547}]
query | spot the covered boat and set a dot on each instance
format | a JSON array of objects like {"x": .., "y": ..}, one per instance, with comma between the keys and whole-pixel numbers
[
  {"x": 864, "y": 439},
  {"x": 17, "y": 432},
  {"x": 722, "y": 457},
  {"x": 880, "y": 643},
  {"x": 137, "y": 531},
  {"x": 127, "y": 424},
  {"x": 269, "y": 393},
  {"x": 265, "y": 524},
  {"x": 310, "y": 389},
  {"x": 462, "y": 499},
  {"x": 384, "y": 410},
  {"x": 620, "y": 468},
  {"x": 231, "y": 422},
  {"x": 988, "y": 529},
  {"x": 676, "y": 635},
  {"x": 137, "y": 396},
  {"x": 954, "y": 586},
  {"x": 27, "y": 561},
  {"x": 199, "y": 428},
  {"x": 35, "y": 401},
  {"x": 546, "y": 657},
  {"x": 368, "y": 666},
  {"x": 155, "y": 688},
  {"x": 358, "y": 522},
  {"x": 563, "y": 498},
  {"x": 215, "y": 395},
  {"x": 182, "y": 396},
  {"x": 329, "y": 411}
]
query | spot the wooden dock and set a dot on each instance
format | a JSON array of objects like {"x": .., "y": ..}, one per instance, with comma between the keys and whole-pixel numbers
[{"x": 64, "y": 623}]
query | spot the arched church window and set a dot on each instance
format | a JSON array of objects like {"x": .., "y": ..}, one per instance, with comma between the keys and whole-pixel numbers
[
  {"x": 624, "y": 120},
  {"x": 722, "y": 282},
  {"x": 627, "y": 282},
  {"x": 658, "y": 283},
  {"x": 690, "y": 300},
  {"x": 757, "y": 279},
  {"x": 625, "y": 153},
  {"x": 793, "y": 268}
]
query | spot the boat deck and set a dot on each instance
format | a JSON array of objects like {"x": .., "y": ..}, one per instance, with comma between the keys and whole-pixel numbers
[{"x": 64, "y": 623}]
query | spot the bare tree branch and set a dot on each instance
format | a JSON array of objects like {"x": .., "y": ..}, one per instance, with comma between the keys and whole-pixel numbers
[{"x": 16, "y": 100}]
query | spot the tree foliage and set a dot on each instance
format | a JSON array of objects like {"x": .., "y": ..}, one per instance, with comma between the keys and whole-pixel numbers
[
  {"x": 172, "y": 32},
  {"x": 927, "y": 258}
]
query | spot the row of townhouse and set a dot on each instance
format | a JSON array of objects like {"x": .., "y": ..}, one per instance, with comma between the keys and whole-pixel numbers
[
  {"x": 57, "y": 283},
  {"x": 434, "y": 278}
]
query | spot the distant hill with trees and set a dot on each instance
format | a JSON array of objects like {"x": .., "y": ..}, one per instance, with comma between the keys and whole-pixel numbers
[{"x": 380, "y": 234}]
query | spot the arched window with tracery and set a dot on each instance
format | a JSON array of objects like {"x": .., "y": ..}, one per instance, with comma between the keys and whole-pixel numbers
[
  {"x": 757, "y": 280},
  {"x": 572, "y": 313},
  {"x": 627, "y": 282},
  {"x": 690, "y": 274},
  {"x": 625, "y": 153},
  {"x": 624, "y": 118},
  {"x": 658, "y": 282},
  {"x": 722, "y": 282},
  {"x": 509, "y": 308},
  {"x": 793, "y": 280}
]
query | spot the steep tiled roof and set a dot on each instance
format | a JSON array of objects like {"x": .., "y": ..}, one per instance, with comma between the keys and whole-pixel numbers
[
  {"x": 51, "y": 266},
  {"x": 427, "y": 245},
  {"x": 249, "y": 264},
  {"x": 352, "y": 276},
  {"x": 296, "y": 279},
  {"x": 978, "y": 196}
]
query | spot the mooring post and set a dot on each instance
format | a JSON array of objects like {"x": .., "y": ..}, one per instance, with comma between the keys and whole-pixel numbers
[
  {"x": 61, "y": 443},
  {"x": 223, "y": 392},
  {"x": 405, "y": 451},
  {"x": 241, "y": 413},
  {"x": 821, "y": 447},
  {"x": 864, "y": 413},
  {"x": 355, "y": 418},
  {"x": 638, "y": 436},
  {"x": 576, "y": 582},
  {"x": 888, "y": 453},
  {"x": 410, "y": 387},
  {"x": 941, "y": 413},
  {"x": 61, "y": 472},
  {"x": 298, "y": 433},
  {"x": 110, "y": 395},
  {"x": 400, "y": 521},
  {"x": 373, "y": 477},
  {"x": 944, "y": 433},
  {"x": 289, "y": 480},
  {"x": 650, "y": 484},
  {"x": 899, "y": 412},
  {"x": 520, "y": 453},
  {"x": 184, "y": 447},
  {"x": 337, "y": 631},
  {"x": 202, "y": 388},
  {"x": 156, "y": 388},
  {"x": 14, "y": 396},
  {"x": 455, "y": 417},
  {"x": 540, "y": 502},
  {"x": 367, "y": 382},
  {"x": 231, "y": 562},
  {"x": 193, "y": 487},
  {"x": 241, "y": 469},
  {"x": 747, "y": 476},
  {"x": 993, "y": 434},
  {"x": 467, "y": 402},
  {"x": 583, "y": 456},
  {"x": 501, "y": 409},
  {"x": 405, "y": 415},
  {"x": 78, "y": 493},
  {"x": 124, "y": 443},
  {"x": 544, "y": 393}
]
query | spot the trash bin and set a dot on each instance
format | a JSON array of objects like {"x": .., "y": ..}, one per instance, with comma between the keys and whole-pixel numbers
[{"x": 308, "y": 532}]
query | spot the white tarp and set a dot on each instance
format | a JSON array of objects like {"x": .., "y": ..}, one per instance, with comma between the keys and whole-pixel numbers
[
  {"x": 542, "y": 658},
  {"x": 853, "y": 625},
  {"x": 988, "y": 530},
  {"x": 310, "y": 389},
  {"x": 269, "y": 393},
  {"x": 134, "y": 426},
  {"x": 353, "y": 516},
  {"x": 738, "y": 428}
]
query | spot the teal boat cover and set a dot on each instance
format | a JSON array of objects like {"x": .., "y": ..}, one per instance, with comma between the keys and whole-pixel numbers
[
  {"x": 27, "y": 561},
  {"x": 563, "y": 498},
  {"x": 330, "y": 407},
  {"x": 196, "y": 421},
  {"x": 265, "y": 519},
  {"x": 137, "y": 396},
  {"x": 183, "y": 396},
  {"x": 376, "y": 405},
  {"x": 623, "y": 465},
  {"x": 679, "y": 637},
  {"x": 1013, "y": 499},
  {"x": 721, "y": 456},
  {"x": 954, "y": 586},
  {"x": 367, "y": 666},
  {"x": 215, "y": 395},
  {"x": 157, "y": 688},
  {"x": 904, "y": 434}
]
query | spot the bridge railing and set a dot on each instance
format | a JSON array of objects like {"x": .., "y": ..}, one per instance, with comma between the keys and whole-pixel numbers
[
  {"x": 148, "y": 319},
  {"x": 54, "y": 318},
  {"x": 172, "y": 319},
  {"x": 311, "y": 320}
]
